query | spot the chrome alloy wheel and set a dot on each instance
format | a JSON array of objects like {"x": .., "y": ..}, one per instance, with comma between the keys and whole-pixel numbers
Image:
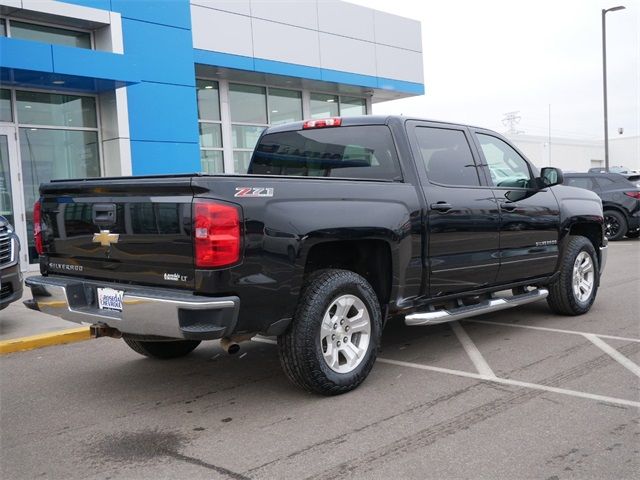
[
  {"x": 583, "y": 277},
  {"x": 345, "y": 333}
]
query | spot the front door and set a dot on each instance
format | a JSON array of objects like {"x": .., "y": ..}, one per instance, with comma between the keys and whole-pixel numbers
[
  {"x": 11, "y": 202},
  {"x": 462, "y": 219},
  {"x": 530, "y": 217}
]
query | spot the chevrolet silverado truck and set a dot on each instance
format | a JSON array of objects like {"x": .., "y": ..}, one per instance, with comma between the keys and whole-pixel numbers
[{"x": 339, "y": 225}]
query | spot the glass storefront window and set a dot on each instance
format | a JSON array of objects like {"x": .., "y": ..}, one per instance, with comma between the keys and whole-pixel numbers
[
  {"x": 3, "y": 28},
  {"x": 212, "y": 161},
  {"x": 245, "y": 136},
  {"x": 40, "y": 108},
  {"x": 6, "y": 203},
  {"x": 323, "y": 106},
  {"x": 48, "y": 154},
  {"x": 208, "y": 100},
  {"x": 57, "y": 36},
  {"x": 351, "y": 106},
  {"x": 284, "y": 106},
  {"x": 241, "y": 161},
  {"x": 6, "y": 115},
  {"x": 210, "y": 135},
  {"x": 248, "y": 103}
]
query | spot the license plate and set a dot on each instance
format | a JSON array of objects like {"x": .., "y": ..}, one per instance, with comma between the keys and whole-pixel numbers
[{"x": 110, "y": 299}]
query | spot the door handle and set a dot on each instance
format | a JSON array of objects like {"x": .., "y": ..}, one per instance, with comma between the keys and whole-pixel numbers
[
  {"x": 508, "y": 206},
  {"x": 441, "y": 207}
]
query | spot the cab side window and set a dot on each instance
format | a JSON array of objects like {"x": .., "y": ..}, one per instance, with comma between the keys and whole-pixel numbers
[
  {"x": 507, "y": 167},
  {"x": 447, "y": 156}
]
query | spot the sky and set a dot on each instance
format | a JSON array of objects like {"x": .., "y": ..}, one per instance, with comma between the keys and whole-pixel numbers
[{"x": 484, "y": 58}]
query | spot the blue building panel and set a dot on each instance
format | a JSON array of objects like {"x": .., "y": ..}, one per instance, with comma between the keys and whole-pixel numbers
[
  {"x": 165, "y": 113},
  {"x": 151, "y": 158},
  {"x": 161, "y": 54},
  {"x": 94, "y": 64},
  {"x": 175, "y": 13},
  {"x": 24, "y": 54},
  {"x": 99, "y": 4}
]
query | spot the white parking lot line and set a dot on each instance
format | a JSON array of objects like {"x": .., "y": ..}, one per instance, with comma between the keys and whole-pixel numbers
[
  {"x": 547, "y": 329},
  {"x": 613, "y": 353},
  {"x": 515, "y": 383},
  {"x": 474, "y": 354}
]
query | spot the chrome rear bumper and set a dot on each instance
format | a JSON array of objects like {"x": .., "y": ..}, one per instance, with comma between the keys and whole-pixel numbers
[{"x": 146, "y": 311}]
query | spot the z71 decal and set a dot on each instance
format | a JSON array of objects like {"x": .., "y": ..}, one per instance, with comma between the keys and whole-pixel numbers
[{"x": 245, "y": 192}]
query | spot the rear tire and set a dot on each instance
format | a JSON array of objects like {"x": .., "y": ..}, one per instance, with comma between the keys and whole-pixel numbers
[
  {"x": 311, "y": 354},
  {"x": 574, "y": 291},
  {"x": 162, "y": 350},
  {"x": 615, "y": 225}
]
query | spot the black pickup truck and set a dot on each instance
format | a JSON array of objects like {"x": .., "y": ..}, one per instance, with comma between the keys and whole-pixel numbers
[{"x": 340, "y": 225}]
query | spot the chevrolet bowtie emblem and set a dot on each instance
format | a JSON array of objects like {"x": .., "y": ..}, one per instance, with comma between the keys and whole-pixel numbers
[{"x": 105, "y": 238}]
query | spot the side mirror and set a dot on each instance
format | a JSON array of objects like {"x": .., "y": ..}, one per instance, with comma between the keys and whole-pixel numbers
[{"x": 550, "y": 176}]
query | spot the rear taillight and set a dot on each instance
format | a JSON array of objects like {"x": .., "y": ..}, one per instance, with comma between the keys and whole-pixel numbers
[
  {"x": 633, "y": 194},
  {"x": 216, "y": 234},
  {"x": 322, "y": 123},
  {"x": 37, "y": 227}
]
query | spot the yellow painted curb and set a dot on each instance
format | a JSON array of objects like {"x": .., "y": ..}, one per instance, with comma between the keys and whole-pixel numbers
[{"x": 58, "y": 337}]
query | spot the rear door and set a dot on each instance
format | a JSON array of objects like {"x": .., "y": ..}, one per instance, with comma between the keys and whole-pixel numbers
[
  {"x": 529, "y": 218},
  {"x": 462, "y": 219},
  {"x": 131, "y": 230}
]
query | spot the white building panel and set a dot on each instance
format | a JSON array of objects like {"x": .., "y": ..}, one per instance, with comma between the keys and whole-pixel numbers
[
  {"x": 285, "y": 43},
  {"x": 346, "y": 19},
  {"x": 242, "y": 7},
  {"x": 397, "y": 31},
  {"x": 219, "y": 31},
  {"x": 398, "y": 63},
  {"x": 301, "y": 13},
  {"x": 347, "y": 54}
]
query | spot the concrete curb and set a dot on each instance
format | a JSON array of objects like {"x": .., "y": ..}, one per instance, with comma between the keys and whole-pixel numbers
[{"x": 58, "y": 337}]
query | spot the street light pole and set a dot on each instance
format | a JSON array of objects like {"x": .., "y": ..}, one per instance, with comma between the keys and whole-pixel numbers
[{"x": 604, "y": 82}]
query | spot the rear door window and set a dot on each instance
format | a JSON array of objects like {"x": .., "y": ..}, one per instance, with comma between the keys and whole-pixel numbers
[
  {"x": 580, "y": 182},
  {"x": 447, "y": 156},
  {"x": 364, "y": 152}
]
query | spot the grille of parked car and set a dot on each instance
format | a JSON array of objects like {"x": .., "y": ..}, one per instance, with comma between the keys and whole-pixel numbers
[
  {"x": 5, "y": 290},
  {"x": 5, "y": 246}
]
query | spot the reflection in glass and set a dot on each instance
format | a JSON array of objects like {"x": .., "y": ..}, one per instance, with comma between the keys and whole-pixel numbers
[
  {"x": 208, "y": 100},
  {"x": 210, "y": 135},
  {"x": 245, "y": 136},
  {"x": 57, "y": 36},
  {"x": 212, "y": 161},
  {"x": 241, "y": 161},
  {"x": 39, "y": 108},
  {"x": 284, "y": 106},
  {"x": 323, "y": 106},
  {"x": 248, "y": 103},
  {"x": 49, "y": 154},
  {"x": 352, "y": 106},
  {"x": 5, "y": 106},
  {"x": 6, "y": 204}
]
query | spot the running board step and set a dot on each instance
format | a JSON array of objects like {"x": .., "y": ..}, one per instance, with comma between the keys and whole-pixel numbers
[{"x": 491, "y": 305}]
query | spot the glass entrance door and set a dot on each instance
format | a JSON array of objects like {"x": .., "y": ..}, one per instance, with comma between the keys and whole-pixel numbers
[{"x": 11, "y": 202}]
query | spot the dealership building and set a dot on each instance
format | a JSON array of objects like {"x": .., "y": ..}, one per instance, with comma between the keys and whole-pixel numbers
[{"x": 93, "y": 88}]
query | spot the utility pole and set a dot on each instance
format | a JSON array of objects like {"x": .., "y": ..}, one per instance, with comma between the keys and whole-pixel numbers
[
  {"x": 511, "y": 119},
  {"x": 604, "y": 82}
]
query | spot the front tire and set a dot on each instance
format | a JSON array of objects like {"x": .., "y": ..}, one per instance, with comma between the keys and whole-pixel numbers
[
  {"x": 162, "y": 350},
  {"x": 333, "y": 341},
  {"x": 615, "y": 225},
  {"x": 574, "y": 291}
]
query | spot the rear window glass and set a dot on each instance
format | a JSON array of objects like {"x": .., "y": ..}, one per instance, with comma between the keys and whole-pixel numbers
[{"x": 365, "y": 152}]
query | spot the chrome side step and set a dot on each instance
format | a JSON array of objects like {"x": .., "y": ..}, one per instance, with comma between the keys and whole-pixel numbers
[{"x": 491, "y": 305}]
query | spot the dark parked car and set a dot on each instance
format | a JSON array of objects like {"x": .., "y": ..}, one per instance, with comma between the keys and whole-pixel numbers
[
  {"x": 631, "y": 175},
  {"x": 620, "y": 201},
  {"x": 10, "y": 276}
]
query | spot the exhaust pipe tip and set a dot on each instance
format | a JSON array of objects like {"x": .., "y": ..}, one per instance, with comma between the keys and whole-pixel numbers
[{"x": 229, "y": 346}]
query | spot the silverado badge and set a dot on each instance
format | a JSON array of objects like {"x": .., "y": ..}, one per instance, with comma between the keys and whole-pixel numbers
[{"x": 105, "y": 238}]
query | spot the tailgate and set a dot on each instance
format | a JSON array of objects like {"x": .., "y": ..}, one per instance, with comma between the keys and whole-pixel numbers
[{"x": 134, "y": 230}]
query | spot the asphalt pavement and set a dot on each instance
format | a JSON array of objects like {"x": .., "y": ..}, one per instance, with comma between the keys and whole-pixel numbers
[{"x": 516, "y": 394}]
